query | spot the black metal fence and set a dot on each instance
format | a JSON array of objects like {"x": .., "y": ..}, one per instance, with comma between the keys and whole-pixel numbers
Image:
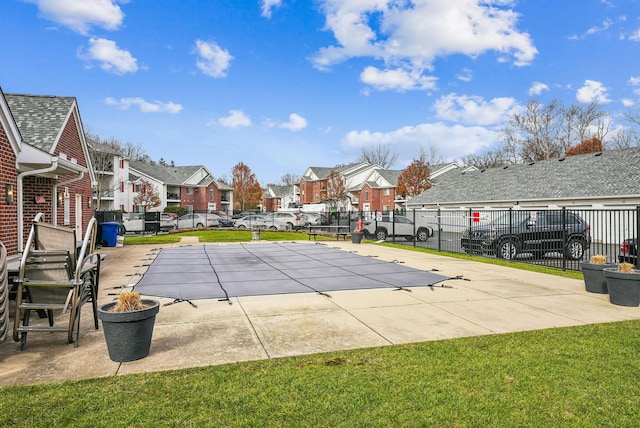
[{"x": 558, "y": 238}]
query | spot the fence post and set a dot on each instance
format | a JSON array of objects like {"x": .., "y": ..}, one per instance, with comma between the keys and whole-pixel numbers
[
  {"x": 439, "y": 229},
  {"x": 565, "y": 235},
  {"x": 637, "y": 236}
]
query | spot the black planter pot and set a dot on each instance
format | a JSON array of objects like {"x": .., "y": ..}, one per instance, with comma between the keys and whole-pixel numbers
[
  {"x": 594, "y": 280},
  {"x": 624, "y": 288},
  {"x": 128, "y": 334},
  {"x": 356, "y": 237}
]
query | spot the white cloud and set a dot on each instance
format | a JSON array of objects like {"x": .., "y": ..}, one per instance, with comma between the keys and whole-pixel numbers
[
  {"x": 466, "y": 75},
  {"x": 474, "y": 110},
  {"x": 592, "y": 91},
  {"x": 213, "y": 60},
  {"x": 110, "y": 57},
  {"x": 268, "y": 6},
  {"x": 537, "y": 88},
  {"x": 412, "y": 35},
  {"x": 295, "y": 123},
  {"x": 144, "y": 106},
  {"x": 81, "y": 15},
  {"x": 397, "y": 79},
  {"x": 452, "y": 142},
  {"x": 235, "y": 119}
]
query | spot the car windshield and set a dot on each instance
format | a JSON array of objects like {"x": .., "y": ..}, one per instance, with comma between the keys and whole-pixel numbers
[{"x": 516, "y": 217}]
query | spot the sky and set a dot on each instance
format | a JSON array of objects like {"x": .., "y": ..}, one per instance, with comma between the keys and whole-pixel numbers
[{"x": 282, "y": 85}]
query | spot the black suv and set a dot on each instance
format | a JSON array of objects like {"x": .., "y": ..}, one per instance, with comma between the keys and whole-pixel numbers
[{"x": 533, "y": 232}]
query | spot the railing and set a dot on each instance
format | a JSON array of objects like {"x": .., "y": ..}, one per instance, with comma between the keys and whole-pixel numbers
[{"x": 557, "y": 238}]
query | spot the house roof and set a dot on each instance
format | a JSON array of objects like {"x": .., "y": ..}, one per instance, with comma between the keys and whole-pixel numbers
[
  {"x": 171, "y": 175},
  {"x": 276, "y": 191},
  {"x": 40, "y": 119},
  {"x": 592, "y": 176},
  {"x": 321, "y": 172}
]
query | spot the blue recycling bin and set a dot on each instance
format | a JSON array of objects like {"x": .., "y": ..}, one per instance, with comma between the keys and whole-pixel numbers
[{"x": 110, "y": 232}]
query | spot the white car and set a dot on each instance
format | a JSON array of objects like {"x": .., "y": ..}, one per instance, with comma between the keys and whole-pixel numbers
[
  {"x": 134, "y": 222},
  {"x": 197, "y": 221},
  {"x": 294, "y": 220},
  {"x": 259, "y": 222}
]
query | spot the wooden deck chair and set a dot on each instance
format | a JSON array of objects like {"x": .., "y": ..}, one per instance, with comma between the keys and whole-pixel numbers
[{"x": 54, "y": 276}]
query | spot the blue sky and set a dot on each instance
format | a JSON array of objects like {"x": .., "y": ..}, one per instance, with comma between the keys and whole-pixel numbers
[{"x": 285, "y": 84}]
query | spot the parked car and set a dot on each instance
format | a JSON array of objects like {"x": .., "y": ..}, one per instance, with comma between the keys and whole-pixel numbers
[
  {"x": 294, "y": 220},
  {"x": 628, "y": 251},
  {"x": 311, "y": 219},
  {"x": 396, "y": 226},
  {"x": 259, "y": 222},
  {"x": 135, "y": 222},
  {"x": 244, "y": 214},
  {"x": 533, "y": 232},
  {"x": 195, "y": 220}
]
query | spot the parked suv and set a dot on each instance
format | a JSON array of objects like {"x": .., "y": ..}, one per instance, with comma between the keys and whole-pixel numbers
[
  {"x": 628, "y": 251},
  {"x": 396, "y": 226},
  {"x": 534, "y": 232},
  {"x": 294, "y": 220}
]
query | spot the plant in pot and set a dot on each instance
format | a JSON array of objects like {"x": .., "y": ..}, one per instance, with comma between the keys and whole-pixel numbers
[
  {"x": 356, "y": 236},
  {"x": 593, "y": 272},
  {"x": 128, "y": 326},
  {"x": 623, "y": 284}
]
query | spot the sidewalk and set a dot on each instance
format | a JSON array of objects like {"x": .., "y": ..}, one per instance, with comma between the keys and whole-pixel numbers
[{"x": 487, "y": 299}]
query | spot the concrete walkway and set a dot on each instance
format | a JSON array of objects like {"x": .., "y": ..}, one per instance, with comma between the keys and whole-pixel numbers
[{"x": 487, "y": 300}]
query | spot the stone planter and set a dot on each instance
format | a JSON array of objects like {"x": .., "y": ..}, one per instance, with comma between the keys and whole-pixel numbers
[
  {"x": 594, "y": 280},
  {"x": 128, "y": 334},
  {"x": 356, "y": 237},
  {"x": 255, "y": 235},
  {"x": 624, "y": 287}
]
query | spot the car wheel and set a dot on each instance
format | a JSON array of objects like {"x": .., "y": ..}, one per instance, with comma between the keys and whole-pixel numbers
[
  {"x": 242, "y": 226},
  {"x": 200, "y": 226},
  {"x": 423, "y": 235},
  {"x": 574, "y": 249},
  {"x": 507, "y": 249},
  {"x": 381, "y": 234},
  {"x": 272, "y": 228}
]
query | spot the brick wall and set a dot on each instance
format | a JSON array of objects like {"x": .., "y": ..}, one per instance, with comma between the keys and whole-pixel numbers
[{"x": 8, "y": 212}]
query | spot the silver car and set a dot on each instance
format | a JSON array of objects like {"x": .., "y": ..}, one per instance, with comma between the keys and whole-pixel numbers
[{"x": 193, "y": 220}]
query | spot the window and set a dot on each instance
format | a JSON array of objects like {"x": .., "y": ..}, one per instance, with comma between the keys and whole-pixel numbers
[
  {"x": 121, "y": 163},
  {"x": 366, "y": 195},
  {"x": 211, "y": 194},
  {"x": 385, "y": 208},
  {"x": 189, "y": 190},
  {"x": 386, "y": 192}
]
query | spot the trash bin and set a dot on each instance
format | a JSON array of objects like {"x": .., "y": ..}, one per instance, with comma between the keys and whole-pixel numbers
[{"x": 110, "y": 232}]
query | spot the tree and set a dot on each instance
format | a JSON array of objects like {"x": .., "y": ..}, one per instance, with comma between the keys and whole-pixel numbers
[
  {"x": 378, "y": 155},
  {"x": 248, "y": 193},
  {"x": 592, "y": 145},
  {"x": 414, "y": 179},
  {"x": 335, "y": 192},
  {"x": 147, "y": 195},
  {"x": 487, "y": 159},
  {"x": 543, "y": 132},
  {"x": 289, "y": 179}
]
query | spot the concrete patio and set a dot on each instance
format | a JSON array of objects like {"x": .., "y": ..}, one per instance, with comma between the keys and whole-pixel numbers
[{"x": 487, "y": 299}]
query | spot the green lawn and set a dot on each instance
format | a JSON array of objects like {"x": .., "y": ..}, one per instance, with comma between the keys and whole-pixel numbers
[{"x": 587, "y": 376}]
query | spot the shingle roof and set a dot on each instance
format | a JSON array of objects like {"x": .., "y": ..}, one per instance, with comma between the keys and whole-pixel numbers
[
  {"x": 171, "y": 175},
  {"x": 281, "y": 191},
  {"x": 39, "y": 118},
  {"x": 593, "y": 176}
]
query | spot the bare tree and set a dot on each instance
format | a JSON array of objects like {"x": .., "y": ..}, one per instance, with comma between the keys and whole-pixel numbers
[
  {"x": 289, "y": 179},
  {"x": 487, "y": 159},
  {"x": 379, "y": 155}
]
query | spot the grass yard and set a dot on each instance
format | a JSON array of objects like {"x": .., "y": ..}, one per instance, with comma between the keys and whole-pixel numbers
[{"x": 586, "y": 376}]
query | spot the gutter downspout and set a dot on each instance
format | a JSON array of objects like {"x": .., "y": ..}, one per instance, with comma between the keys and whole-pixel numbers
[
  {"x": 53, "y": 167},
  {"x": 54, "y": 196}
]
